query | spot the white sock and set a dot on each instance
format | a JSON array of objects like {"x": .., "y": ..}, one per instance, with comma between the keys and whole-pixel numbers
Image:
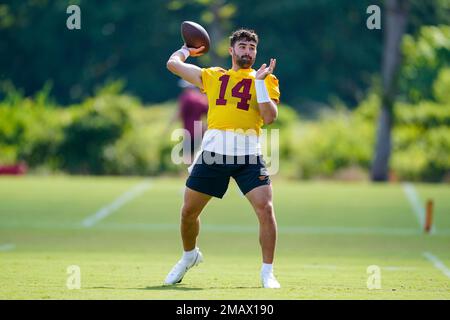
[
  {"x": 188, "y": 256},
  {"x": 267, "y": 268}
]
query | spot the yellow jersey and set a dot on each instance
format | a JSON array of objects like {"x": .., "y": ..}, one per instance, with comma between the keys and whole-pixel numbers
[{"x": 232, "y": 98}]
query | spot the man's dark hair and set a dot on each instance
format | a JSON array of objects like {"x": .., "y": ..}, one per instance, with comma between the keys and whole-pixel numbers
[{"x": 243, "y": 34}]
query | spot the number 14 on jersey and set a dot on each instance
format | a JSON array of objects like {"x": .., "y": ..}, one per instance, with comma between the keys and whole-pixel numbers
[{"x": 241, "y": 90}]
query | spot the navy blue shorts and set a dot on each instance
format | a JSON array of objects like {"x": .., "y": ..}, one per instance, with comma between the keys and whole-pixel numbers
[{"x": 212, "y": 171}]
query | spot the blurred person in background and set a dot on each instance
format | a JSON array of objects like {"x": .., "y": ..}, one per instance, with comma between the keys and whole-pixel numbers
[{"x": 192, "y": 107}]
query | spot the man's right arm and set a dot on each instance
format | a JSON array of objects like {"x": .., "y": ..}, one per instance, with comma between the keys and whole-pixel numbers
[{"x": 189, "y": 72}]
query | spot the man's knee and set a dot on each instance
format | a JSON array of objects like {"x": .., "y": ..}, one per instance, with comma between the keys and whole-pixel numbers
[
  {"x": 265, "y": 210},
  {"x": 189, "y": 212}
]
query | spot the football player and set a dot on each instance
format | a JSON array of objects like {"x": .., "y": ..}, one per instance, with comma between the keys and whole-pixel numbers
[{"x": 240, "y": 101}]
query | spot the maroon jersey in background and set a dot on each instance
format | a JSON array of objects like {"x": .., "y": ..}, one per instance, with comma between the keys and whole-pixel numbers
[{"x": 193, "y": 105}]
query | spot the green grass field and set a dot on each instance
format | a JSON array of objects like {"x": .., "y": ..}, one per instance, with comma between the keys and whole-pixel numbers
[{"x": 329, "y": 233}]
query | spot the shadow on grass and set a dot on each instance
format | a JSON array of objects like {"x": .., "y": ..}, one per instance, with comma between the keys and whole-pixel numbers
[
  {"x": 178, "y": 287},
  {"x": 155, "y": 288},
  {"x": 182, "y": 287}
]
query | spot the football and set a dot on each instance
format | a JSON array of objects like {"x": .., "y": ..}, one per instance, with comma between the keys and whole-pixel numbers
[{"x": 194, "y": 35}]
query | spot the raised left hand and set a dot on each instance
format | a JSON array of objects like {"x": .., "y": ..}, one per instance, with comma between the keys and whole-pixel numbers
[{"x": 263, "y": 71}]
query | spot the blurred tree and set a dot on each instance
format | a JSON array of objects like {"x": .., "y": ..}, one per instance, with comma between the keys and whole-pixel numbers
[
  {"x": 216, "y": 16},
  {"x": 120, "y": 41},
  {"x": 396, "y": 14},
  {"x": 324, "y": 50}
]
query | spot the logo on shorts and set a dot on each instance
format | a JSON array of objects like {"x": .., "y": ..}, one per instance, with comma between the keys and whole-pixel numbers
[{"x": 263, "y": 172}]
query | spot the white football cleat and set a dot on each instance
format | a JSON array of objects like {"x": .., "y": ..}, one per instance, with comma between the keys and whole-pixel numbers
[
  {"x": 269, "y": 281},
  {"x": 179, "y": 270}
]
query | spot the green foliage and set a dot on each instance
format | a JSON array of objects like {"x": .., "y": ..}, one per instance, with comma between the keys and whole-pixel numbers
[
  {"x": 323, "y": 47},
  {"x": 421, "y": 141},
  {"x": 424, "y": 57},
  {"x": 338, "y": 140},
  {"x": 100, "y": 121},
  {"x": 136, "y": 152},
  {"x": 425, "y": 115},
  {"x": 30, "y": 128},
  {"x": 146, "y": 149},
  {"x": 441, "y": 86},
  {"x": 112, "y": 133},
  {"x": 109, "y": 133}
]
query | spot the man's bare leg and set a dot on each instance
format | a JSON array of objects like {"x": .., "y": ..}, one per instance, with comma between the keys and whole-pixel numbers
[
  {"x": 194, "y": 202},
  {"x": 261, "y": 200}
]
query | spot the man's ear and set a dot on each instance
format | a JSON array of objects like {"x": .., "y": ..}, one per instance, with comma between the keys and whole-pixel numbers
[{"x": 230, "y": 50}]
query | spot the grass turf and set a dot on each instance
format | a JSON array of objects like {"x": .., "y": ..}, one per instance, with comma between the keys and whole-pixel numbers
[{"x": 329, "y": 233}]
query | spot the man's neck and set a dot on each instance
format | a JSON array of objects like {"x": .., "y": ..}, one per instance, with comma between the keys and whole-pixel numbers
[{"x": 235, "y": 67}]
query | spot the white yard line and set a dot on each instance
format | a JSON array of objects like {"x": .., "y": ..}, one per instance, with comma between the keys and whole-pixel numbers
[
  {"x": 334, "y": 267},
  {"x": 438, "y": 264},
  {"x": 347, "y": 230},
  {"x": 394, "y": 268},
  {"x": 312, "y": 230},
  {"x": 415, "y": 202},
  {"x": 229, "y": 228},
  {"x": 116, "y": 204},
  {"x": 320, "y": 266},
  {"x": 7, "y": 247}
]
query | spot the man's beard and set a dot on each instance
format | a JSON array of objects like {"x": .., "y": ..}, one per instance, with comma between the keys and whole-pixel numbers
[{"x": 244, "y": 62}]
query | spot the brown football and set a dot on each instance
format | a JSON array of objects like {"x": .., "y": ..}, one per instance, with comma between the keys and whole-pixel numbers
[{"x": 194, "y": 35}]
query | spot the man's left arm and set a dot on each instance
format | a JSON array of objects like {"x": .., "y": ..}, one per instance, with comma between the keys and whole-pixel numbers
[
  {"x": 268, "y": 111},
  {"x": 267, "y": 106}
]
